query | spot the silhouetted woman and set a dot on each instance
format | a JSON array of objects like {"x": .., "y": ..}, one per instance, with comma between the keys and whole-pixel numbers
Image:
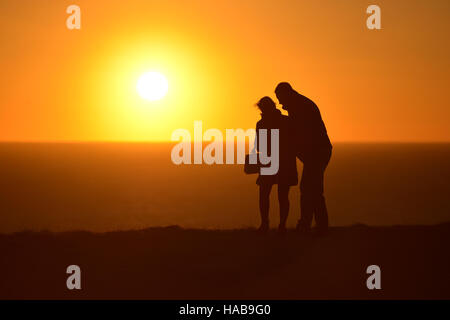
[{"x": 271, "y": 118}]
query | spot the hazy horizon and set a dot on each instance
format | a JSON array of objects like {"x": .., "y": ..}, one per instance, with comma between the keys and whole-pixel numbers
[
  {"x": 108, "y": 186},
  {"x": 206, "y": 142}
]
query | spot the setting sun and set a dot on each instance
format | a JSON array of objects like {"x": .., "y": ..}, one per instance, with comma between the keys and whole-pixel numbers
[{"x": 152, "y": 86}]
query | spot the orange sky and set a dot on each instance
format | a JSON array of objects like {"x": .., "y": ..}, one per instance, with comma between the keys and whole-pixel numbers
[{"x": 220, "y": 57}]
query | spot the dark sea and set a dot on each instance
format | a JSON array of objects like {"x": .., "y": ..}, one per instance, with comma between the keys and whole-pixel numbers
[{"x": 122, "y": 186}]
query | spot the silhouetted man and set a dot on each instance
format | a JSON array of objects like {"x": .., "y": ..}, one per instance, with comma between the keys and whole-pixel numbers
[{"x": 310, "y": 139}]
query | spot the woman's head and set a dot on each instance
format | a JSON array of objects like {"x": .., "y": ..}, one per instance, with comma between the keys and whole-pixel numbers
[{"x": 266, "y": 105}]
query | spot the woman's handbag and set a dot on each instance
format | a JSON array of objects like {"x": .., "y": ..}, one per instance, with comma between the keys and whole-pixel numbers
[{"x": 252, "y": 168}]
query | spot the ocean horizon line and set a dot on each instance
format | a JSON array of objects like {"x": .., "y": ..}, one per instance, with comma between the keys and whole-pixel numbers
[{"x": 174, "y": 142}]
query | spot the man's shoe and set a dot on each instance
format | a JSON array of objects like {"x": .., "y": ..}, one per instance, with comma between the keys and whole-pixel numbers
[{"x": 302, "y": 229}]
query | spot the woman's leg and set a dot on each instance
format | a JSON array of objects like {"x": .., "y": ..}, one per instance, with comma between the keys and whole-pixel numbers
[
  {"x": 283, "y": 199},
  {"x": 264, "y": 203}
]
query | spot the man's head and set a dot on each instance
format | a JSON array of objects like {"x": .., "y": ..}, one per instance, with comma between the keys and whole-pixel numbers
[{"x": 284, "y": 93}]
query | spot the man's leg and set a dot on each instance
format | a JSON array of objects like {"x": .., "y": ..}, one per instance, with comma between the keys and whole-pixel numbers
[
  {"x": 320, "y": 207},
  {"x": 312, "y": 200},
  {"x": 306, "y": 200},
  {"x": 320, "y": 212}
]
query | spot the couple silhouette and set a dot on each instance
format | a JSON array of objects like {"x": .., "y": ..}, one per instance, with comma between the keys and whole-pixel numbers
[{"x": 302, "y": 135}]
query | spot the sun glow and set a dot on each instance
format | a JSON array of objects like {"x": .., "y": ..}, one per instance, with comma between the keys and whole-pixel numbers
[{"x": 152, "y": 86}]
